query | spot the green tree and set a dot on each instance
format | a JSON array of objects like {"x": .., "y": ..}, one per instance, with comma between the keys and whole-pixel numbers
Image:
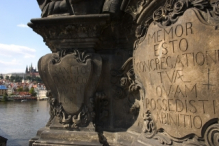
[
  {"x": 17, "y": 79},
  {"x": 32, "y": 92},
  {"x": 7, "y": 77},
  {"x": 12, "y": 78},
  {"x": 26, "y": 89},
  {"x": 1, "y": 76},
  {"x": 5, "y": 97},
  {"x": 38, "y": 79},
  {"x": 29, "y": 78},
  {"x": 20, "y": 89}
]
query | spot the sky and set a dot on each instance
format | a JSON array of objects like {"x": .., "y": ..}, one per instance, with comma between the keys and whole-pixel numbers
[{"x": 19, "y": 44}]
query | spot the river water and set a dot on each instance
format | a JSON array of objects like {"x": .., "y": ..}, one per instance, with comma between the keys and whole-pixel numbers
[{"x": 19, "y": 121}]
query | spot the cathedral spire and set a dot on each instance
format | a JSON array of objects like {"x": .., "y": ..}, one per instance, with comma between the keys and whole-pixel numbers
[
  {"x": 31, "y": 68},
  {"x": 26, "y": 69}
]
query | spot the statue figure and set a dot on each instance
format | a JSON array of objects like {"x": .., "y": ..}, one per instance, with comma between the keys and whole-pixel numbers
[
  {"x": 52, "y": 7},
  {"x": 67, "y": 7}
]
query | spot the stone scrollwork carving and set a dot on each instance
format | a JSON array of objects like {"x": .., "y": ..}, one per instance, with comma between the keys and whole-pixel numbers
[
  {"x": 212, "y": 135},
  {"x": 73, "y": 121},
  {"x": 170, "y": 12},
  {"x": 128, "y": 76},
  {"x": 79, "y": 56},
  {"x": 135, "y": 7},
  {"x": 68, "y": 120},
  {"x": 52, "y": 110},
  {"x": 124, "y": 78},
  {"x": 216, "y": 8},
  {"x": 126, "y": 85},
  {"x": 163, "y": 138},
  {"x": 194, "y": 142},
  {"x": 141, "y": 32},
  {"x": 214, "y": 14},
  {"x": 149, "y": 126}
]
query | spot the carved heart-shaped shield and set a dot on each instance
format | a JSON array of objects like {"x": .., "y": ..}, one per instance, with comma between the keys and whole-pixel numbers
[{"x": 71, "y": 76}]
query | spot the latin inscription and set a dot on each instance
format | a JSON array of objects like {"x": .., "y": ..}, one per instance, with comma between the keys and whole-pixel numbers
[
  {"x": 71, "y": 78},
  {"x": 176, "y": 43},
  {"x": 181, "y": 112},
  {"x": 184, "y": 60},
  {"x": 71, "y": 81},
  {"x": 176, "y": 97},
  {"x": 73, "y": 75}
]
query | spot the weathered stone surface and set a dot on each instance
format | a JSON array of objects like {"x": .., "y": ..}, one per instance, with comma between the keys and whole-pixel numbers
[
  {"x": 178, "y": 67},
  {"x": 83, "y": 75},
  {"x": 79, "y": 138},
  {"x": 176, "y": 61},
  {"x": 71, "y": 77},
  {"x": 163, "y": 94}
]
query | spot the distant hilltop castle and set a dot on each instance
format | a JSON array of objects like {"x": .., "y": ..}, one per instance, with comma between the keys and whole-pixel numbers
[{"x": 31, "y": 70}]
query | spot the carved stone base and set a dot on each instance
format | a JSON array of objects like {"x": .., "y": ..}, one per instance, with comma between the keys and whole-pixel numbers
[
  {"x": 55, "y": 125},
  {"x": 46, "y": 136},
  {"x": 52, "y": 137},
  {"x": 161, "y": 140}
]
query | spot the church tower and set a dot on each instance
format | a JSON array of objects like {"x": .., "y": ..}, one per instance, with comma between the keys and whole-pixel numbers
[
  {"x": 26, "y": 70},
  {"x": 31, "y": 68}
]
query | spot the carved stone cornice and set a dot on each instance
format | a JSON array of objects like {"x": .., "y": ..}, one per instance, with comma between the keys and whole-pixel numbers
[{"x": 70, "y": 31}]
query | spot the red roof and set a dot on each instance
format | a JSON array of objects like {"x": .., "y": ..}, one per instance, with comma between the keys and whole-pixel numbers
[{"x": 24, "y": 93}]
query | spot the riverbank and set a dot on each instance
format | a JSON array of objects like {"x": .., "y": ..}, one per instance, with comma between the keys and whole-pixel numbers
[{"x": 18, "y": 99}]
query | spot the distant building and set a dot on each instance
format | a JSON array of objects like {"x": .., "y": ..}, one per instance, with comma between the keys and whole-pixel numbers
[
  {"x": 24, "y": 94},
  {"x": 41, "y": 95},
  {"x": 14, "y": 74},
  {"x": 29, "y": 71},
  {"x": 3, "y": 90},
  {"x": 32, "y": 72},
  {"x": 3, "y": 141},
  {"x": 41, "y": 92},
  {"x": 10, "y": 90}
]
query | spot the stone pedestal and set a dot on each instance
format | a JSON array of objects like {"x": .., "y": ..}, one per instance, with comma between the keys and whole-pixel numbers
[
  {"x": 82, "y": 76},
  {"x": 47, "y": 136},
  {"x": 140, "y": 73}
]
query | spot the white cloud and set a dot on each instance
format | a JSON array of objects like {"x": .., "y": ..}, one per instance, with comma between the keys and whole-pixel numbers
[
  {"x": 5, "y": 55},
  {"x": 12, "y": 62},
  {"x": 16, "y": 50},
  {"x": 7, "y": 66},
  {"x": 12, "y": 70},
  {"x": 22, "y": 25},
  {"x": 14, "y": 58}
]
